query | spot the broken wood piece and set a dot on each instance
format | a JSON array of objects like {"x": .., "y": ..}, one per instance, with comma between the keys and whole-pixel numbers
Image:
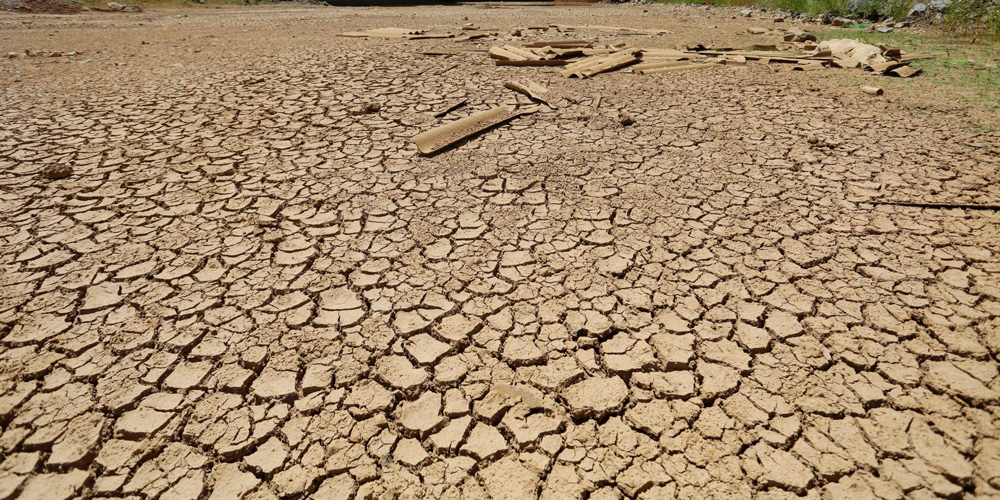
[
  {"x": 472, "y": 36},
  {"x": 505, "y": 55},
  {"x": 526, "y": 54},
  {"x": 440, "y": 137},
  {"x": 573, "y": 68},
  {"x": 425, "y": 36},
  {"x": 567, "y": 53},
  {"x": 782, "y": 60},
  {"x": 561, "y": 44},
  {"x": 611, "y": 29},
  {"x": 662, "y": 53},
  {"x": 595, "y": 52},
  {"x": 891, "y": 53},
  {"x": 678, "y": 68},
  {"x": 808, "y": 66},
  {"x": 885, "y": 67},
  {"x": 734, "y": 60},
  {"x": 758, "y": 55},
  {"x": 597, "y": 101},
  {"x": 639, "y": 68},
  {"x": 913, "y": 57},
  {"x": 868, "y": 89},
  {"x": 451, "y": 106},
  {"x": 530, "y": 89},
  {"x": 905, "y": 71},
  {"x": 596, "y": 65},
  {"x": 845, "y": 62},
  {"x": 383, "y": 33},
  {"x": 543, "y": 62},
  {"x": 444, "y": 52}
]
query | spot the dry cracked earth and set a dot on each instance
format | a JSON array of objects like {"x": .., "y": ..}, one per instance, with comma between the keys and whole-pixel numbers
[{"x": 253, "y": 287}]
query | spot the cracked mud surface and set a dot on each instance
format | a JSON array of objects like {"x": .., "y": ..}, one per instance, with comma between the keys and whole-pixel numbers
[{"x": 251, "y": 286}]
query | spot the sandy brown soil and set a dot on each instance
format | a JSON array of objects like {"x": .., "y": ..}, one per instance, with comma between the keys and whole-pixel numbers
[{"x": 248, "y": 288}]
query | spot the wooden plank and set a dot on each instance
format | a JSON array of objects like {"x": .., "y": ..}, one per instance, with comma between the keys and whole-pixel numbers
[
  {"x": 639, "y": 68},
  {"x": 530, "y": 89},
  {"x": 612, "y": 63},
  {"x": 506, "y": 55},
  {"x": 543, "y": 62},
  {"x": 905, "y": 72},
  {"x": 451, "y": 106},
  {"x": 678, "y": 68},
  {"x": 526, "y": 54},
  {"x": 441, "y": 137},
  {"x": 663, "y": 53},
  {"x": 561, "y": 44},
  {"x": 914, "y": 57}
]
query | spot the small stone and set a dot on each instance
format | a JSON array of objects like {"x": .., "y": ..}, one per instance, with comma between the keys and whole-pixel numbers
[{"x": 55, "y": 172}]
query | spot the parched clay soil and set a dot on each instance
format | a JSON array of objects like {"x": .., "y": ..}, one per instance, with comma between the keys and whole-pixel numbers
[{"x": 252, "y": 286}]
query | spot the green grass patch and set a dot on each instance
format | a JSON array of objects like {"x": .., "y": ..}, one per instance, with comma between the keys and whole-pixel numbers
[
  {"x": 972, "y": 65},
  {"x": 975, "y": 16}
]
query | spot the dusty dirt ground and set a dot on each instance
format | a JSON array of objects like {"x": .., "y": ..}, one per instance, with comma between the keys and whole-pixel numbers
[{"x": 248, "y": 289}]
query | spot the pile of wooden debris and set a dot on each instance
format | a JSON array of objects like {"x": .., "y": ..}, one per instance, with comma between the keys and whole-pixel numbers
[{"x": 582, "y": 59}]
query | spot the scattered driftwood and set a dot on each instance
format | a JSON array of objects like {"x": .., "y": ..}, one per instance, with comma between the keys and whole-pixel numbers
[
  {"x": 611, "y": 29},
  {"x": 879, "y": 59},
  {"x": 441, "y": 137},
  {"x": 411, "y": 34}
]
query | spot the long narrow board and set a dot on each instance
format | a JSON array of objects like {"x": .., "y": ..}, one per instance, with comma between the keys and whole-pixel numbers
[{"x": 440, "y": 137}]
